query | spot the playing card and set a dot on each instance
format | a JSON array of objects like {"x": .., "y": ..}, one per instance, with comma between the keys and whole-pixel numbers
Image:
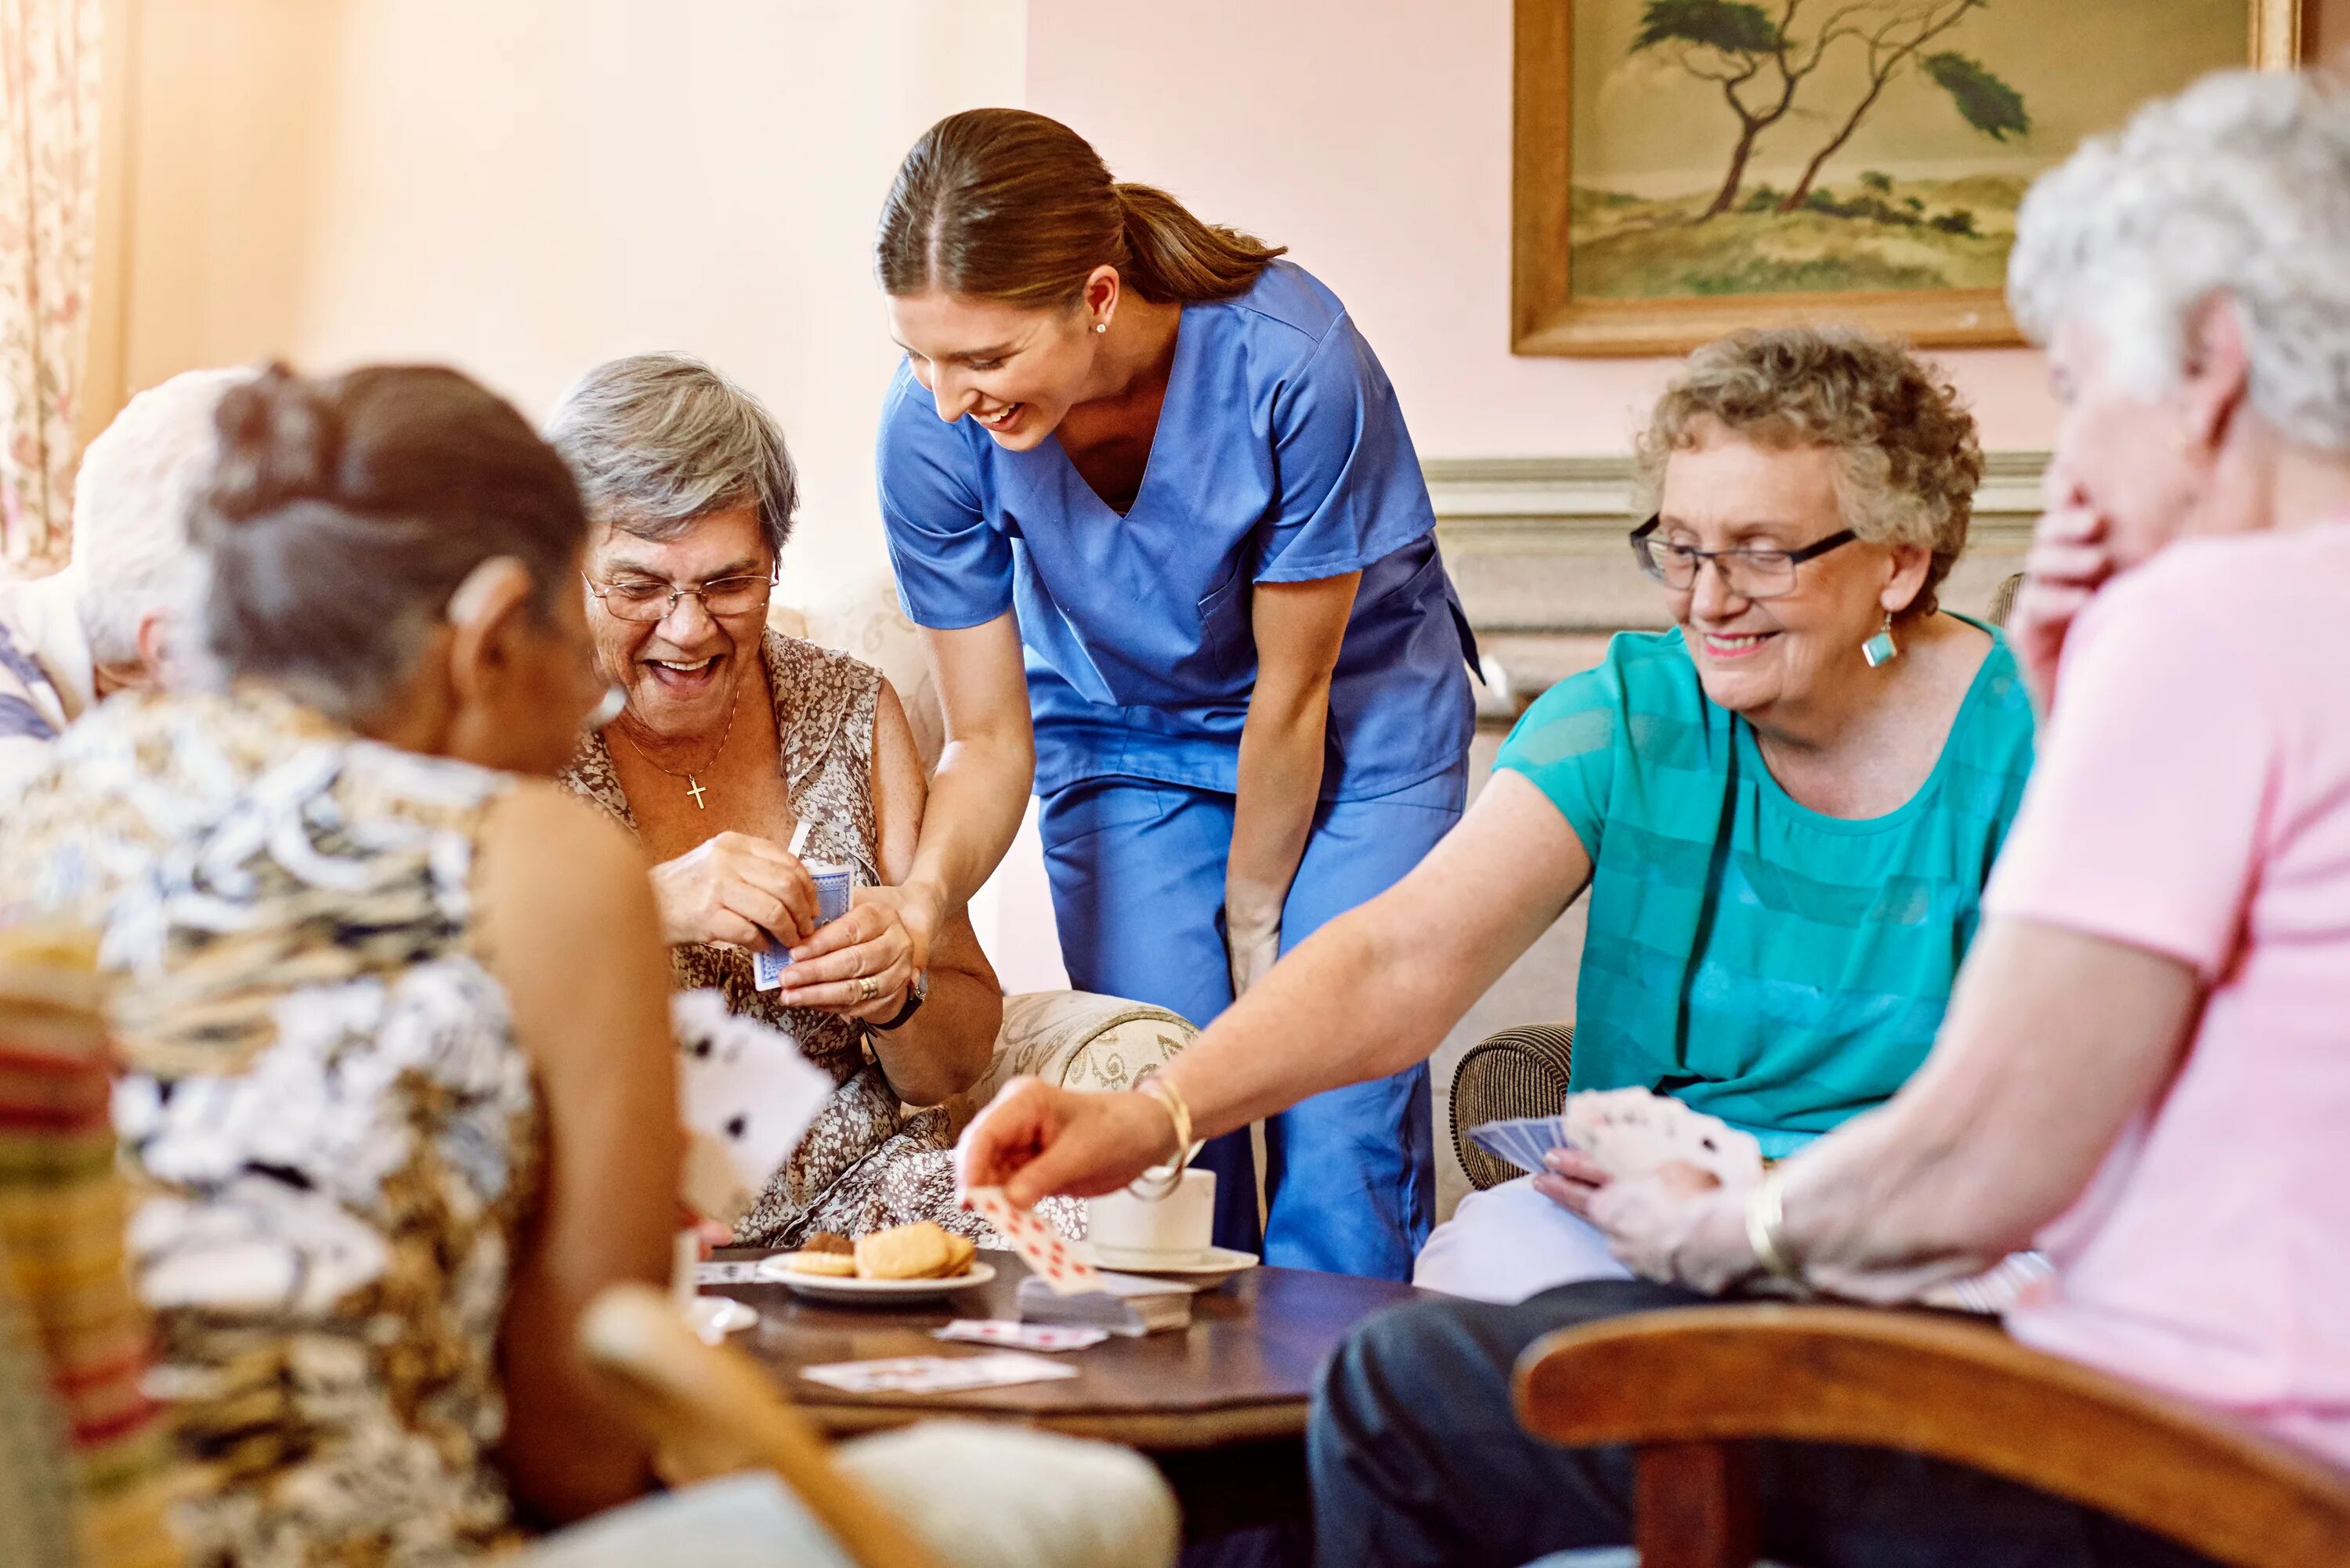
[
  {"x": 1040, "y": 1246},
  {"x": 1520, "y": 1141},
  {"x": 746, "y": 1095},
  {"x": 735, "y": 1272},
  {"x": 1632, "y": 1133},
  {"x": 767, "y": 966},
  {"x": 1023, "y": 1335},
  {"x": 937, "y": 1374}
]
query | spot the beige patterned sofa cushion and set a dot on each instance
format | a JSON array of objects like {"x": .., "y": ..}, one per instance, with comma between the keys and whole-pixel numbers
[{"x": 1079, "y": 1041}]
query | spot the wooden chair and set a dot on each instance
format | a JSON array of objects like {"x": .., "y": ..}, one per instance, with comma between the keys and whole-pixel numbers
[
  {"x": 1693, "y": 1390},
  {"x": 710, "y": 1412}
]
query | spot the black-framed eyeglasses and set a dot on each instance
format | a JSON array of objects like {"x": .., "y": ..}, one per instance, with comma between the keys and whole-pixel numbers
[
  {"x": 652, "y": 599},
  {"x": 1751, "y": 572}
]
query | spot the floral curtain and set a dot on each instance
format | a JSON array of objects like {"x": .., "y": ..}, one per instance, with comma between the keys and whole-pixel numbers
[{"x": 48, "y": 241}]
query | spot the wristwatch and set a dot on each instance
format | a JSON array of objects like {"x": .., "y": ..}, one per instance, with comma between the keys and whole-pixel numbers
[{"x": 918, "y": 991}]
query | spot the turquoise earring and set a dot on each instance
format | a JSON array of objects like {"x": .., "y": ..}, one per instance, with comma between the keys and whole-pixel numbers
[{"x": 1881, "y": 649}]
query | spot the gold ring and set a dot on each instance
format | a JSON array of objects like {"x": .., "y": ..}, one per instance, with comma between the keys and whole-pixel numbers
[{"x": 866, "y": 989}]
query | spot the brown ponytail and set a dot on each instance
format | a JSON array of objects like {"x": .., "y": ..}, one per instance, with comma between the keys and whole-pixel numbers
[{"x": 1002, "y": 204}]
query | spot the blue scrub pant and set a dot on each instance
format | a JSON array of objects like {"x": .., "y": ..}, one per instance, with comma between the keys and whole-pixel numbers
[{"x": 1137, "y": 874}]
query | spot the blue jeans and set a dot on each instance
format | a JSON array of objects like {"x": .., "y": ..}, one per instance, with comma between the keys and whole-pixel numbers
[
  {"x": 1137, "y": 874},
  {"x": 1418, "y": 1459}
]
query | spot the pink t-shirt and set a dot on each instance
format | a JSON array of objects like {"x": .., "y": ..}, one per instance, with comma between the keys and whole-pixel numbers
[{"x": 2192, "y": 797}]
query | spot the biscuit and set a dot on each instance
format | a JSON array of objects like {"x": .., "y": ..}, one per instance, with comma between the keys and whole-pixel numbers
[
  {"x": 915, "y": 1251},
  {"x": 838, "y": 1264},
  {"x": 826, "y": 1241},
  {"x": 961, "y": 1250}
]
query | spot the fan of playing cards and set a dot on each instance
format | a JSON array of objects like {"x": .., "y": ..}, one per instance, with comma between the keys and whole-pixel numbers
[{"x": 1628, "y": 1133}]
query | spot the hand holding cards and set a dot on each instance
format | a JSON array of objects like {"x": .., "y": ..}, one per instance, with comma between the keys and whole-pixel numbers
[
  {"x": 1628, "y": 1133},
  {"x": 835, "y": 886},
  {"x": 1632, "y": 1132}
]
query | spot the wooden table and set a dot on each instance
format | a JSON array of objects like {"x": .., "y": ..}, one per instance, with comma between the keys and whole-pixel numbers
[
  {"x": 1220, "y": 1406},
  {"x": 1242, "y": 1372}
]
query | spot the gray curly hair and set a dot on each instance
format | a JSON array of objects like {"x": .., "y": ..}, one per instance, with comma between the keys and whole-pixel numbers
[
  {"x": 1908, "y": 460},
  {"x": 2241, "y": 186}
]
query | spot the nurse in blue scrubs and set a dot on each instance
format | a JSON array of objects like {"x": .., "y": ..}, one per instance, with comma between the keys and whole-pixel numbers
[{"x": 1149, "y": 494}]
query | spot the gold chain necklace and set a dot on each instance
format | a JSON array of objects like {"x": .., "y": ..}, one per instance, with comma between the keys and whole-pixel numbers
[{"x": 693, "y": 786}]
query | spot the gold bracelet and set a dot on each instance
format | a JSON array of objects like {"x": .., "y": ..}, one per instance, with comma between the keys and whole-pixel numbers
[
  {"x": 1177, "y": 1110},
  {"x": 1160, "y": 1180},
  {"x": 1766, "y": 1230}
]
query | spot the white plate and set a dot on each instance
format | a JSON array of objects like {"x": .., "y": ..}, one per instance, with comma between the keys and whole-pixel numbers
[
  {"x": 835, "y": 1287},
  {"x": 1216, "y": 1263},
  {"x": 715, "y": 1317}
]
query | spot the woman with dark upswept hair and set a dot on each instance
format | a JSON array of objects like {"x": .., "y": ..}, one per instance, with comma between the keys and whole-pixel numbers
[{"x": 1152, "y": 496}]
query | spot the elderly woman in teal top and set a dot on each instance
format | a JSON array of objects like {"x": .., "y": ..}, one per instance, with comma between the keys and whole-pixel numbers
[
  {"x": 1785, "y": 809},
  {"x": 1152, "y": 495}
]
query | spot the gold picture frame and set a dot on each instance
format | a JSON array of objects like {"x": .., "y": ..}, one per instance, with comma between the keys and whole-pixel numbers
[{"x": 1547, "y": 318}]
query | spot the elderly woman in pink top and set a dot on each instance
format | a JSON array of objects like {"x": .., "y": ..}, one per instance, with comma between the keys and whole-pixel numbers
[{"x": 2146, "y": 1066}]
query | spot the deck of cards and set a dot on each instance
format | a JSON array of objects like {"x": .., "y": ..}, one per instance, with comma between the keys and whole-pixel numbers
[
  {"x": 937, "y": 1374},
  {"x": 836, "y": 889}
]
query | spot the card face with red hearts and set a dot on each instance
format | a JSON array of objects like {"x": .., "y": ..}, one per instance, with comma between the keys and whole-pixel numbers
[
  {"x": 1021, "y": 1335},
  {"x": 937, "y": 1374},
  {"x": 1055, "y": 1261}
]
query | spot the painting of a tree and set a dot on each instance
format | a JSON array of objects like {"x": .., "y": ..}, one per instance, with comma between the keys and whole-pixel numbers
[
  {"x": 1678, "y": 158},
  {"x": 1739, "y": 45}
]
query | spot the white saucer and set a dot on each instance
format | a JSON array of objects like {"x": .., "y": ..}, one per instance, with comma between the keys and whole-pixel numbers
[
  {"x": 835, "y": 1287},
  {"x": 715, "y": 1317},
  {"x": 1213, "y": 1262}
]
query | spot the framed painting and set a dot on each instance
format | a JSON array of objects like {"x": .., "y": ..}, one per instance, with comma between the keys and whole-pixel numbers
[{"x": 1683, "y": 167}]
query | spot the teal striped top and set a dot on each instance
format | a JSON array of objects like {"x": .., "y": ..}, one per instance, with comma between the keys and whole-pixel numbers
[{"x": 1777, "y": 968}]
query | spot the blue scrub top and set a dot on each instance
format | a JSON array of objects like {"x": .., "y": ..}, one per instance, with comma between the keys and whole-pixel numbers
[{"x": 1281, "y": 456}]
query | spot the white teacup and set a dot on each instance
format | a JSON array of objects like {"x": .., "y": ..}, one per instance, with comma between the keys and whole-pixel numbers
[{"x": 1144, "y": 1233}]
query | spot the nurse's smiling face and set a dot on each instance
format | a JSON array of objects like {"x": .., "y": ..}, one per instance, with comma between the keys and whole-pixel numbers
[{"x": 1016, "y": 369}]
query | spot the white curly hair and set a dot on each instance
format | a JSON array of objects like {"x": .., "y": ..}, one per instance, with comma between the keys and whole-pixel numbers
[
  {"x": 2238, "y": 186},
  {"x": 139, "y": 479}
]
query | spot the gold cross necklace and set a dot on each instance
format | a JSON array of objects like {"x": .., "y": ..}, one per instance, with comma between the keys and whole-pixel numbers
[{"x": 693, "y": 786}]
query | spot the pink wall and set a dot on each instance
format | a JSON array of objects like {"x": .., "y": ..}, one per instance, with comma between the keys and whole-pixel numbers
[{"x": 1373, "y": 138}]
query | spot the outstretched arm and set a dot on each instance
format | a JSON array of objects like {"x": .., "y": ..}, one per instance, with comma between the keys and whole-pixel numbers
[{"x": 1370, "y": 994}]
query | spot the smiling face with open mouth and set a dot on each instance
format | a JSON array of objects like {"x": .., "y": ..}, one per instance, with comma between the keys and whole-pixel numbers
[
  {"x": 679, "y": 673},
  {"x": 1788, "y": 652},
  {"x": 1015, "y": 370}
]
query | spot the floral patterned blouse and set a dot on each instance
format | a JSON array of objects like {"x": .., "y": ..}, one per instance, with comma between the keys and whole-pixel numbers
[
  {"x": 332, "y": 1135},
  {"x": 866, "y": 1164}
]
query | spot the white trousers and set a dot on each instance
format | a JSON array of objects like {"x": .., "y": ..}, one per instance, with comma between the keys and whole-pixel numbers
[
  {"x": 980, "y": 1496},
  {"x": 1509, "y": 1242}
]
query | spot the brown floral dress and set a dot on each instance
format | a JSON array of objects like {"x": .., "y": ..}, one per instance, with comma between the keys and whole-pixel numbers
[{"x": 867, "y": 1164}]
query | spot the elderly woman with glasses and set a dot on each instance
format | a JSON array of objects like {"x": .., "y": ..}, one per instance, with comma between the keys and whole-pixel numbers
[
  {"x": 740, "y": 757},
  {"x": 1785, "y": 810}
]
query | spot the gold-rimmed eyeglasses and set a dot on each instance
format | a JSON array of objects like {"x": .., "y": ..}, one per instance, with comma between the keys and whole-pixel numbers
[{"x": 653, "y": 598}]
